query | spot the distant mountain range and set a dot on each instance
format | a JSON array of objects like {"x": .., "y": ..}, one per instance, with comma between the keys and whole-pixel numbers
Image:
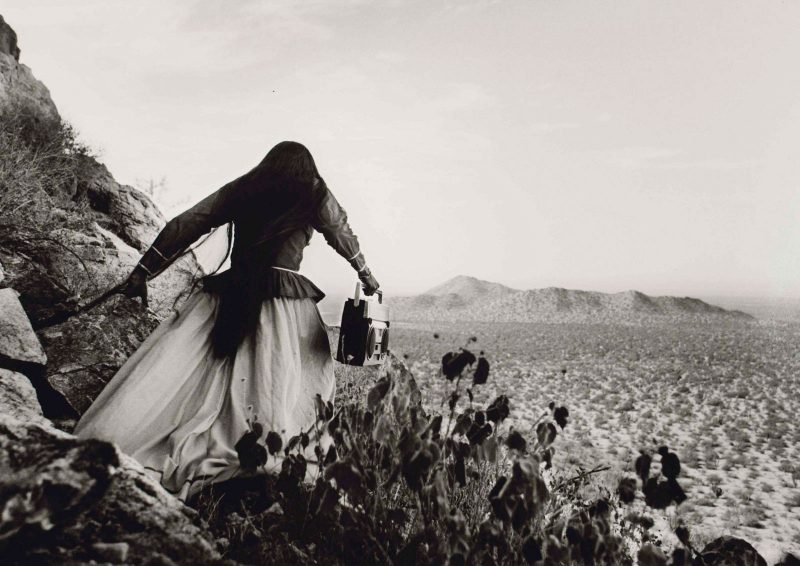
[{"x": 470, "y": 299}]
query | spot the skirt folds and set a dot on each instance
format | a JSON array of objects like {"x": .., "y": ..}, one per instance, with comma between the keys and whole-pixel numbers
[{"x": 179, "y": 410}]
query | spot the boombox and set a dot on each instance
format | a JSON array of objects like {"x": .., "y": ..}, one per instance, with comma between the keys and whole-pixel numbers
[{"x": 364, "y": 334}]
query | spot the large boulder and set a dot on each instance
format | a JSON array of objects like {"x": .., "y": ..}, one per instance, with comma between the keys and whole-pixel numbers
[
  {"x": 68, "y": 501},
  {"x": 87, "y": 350},
  {"x": 19, "y": 346},
  {"x": 18, "y": 398},
  {"x": 22, "y": 353},
  {"x": 72, "y": 265},
  {"x": 122, "y": 209}
]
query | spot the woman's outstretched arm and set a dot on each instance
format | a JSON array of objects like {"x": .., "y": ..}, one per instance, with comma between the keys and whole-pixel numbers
[
  {"x": 186, "y": 228},
  {"x": 331, "y": 221},
  {"x": 178, "y": 234}
]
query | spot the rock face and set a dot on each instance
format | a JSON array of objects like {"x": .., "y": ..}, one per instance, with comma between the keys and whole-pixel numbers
[
  {"x": 19, "y": 345},
  {"x": 121, "y": 209},
  {"x": 8, "y": 40},
  {"x": 67, "y": 501},
  {"x": 22, "y": 353},
  {"x": 101, "y": 230},
  {"x": 86, "y": 351},
  {"x": 74, "y": 264},
  {"x": 63, "y": 500},
  {"x": 16, "y": 79},
  {"x": 18, "y": 398}
]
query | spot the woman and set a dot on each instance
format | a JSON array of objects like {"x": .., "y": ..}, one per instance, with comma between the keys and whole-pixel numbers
[{"x": 249, "y": 347}]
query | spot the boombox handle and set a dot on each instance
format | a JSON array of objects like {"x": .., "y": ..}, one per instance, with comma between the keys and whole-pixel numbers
[{"x": 357, "y": 298}]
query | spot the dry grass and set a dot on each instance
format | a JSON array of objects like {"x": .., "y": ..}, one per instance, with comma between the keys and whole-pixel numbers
[{"x": 41, "y": 161}]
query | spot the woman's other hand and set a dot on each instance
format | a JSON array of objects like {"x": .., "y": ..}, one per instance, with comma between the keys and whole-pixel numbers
[
  {"x": 368, "y": 282},
  {"x": 136, "y": 285}
]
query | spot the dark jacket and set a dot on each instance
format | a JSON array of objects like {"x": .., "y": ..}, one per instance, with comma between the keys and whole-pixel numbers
[
  {"x": 273, "y": 218},
  {"x": 269, "y": 235}
]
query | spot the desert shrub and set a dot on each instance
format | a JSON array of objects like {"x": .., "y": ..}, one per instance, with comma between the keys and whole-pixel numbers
[
  {"x": 396, "y": 484},
  {"x": 41, "y": 164},
  {"x": 793, "y": 500},
  {"x": 383, "y": 480},
  {"x": 627, "y": 405}
]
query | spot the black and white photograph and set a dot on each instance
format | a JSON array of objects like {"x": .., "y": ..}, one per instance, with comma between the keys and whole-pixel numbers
[{"x": 400, "y": 282}]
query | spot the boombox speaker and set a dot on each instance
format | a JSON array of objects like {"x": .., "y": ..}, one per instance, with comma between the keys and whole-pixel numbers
[{"x": 364, "y": 333}]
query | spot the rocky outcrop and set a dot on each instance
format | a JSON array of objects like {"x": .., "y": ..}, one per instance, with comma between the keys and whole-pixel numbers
[
  {"x": 71, "y": 265},
  {"x": 18, "y": 398},
  {"x": 16, "y": 80},
  {"x": 87, "y": 350},
  {"x": 99, "y": 230},
  {"x": 63, "y": 500},
  {"x": 19, "y": 346},
  {"x": 121, "y": 209},
  {"x": 8, "y": 40},
  {"x": 68, "y": 501},
  {"x": 22, "y": 354}
]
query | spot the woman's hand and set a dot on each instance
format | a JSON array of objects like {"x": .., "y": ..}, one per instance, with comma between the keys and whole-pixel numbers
[
  {"x": 136, "y": 285},
  {"x": 368, "y": 281}
]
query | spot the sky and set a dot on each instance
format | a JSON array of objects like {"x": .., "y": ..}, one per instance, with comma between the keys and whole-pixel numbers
[{"x": 589, "y": 145}]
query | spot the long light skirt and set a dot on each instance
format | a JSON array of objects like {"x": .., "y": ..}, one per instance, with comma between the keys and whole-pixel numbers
[{"x": 179, "y": 411}]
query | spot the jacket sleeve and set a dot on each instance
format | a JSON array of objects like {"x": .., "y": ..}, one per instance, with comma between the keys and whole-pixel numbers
[
  {"x": 186, "y": 228},
  {"x": 331, "y": 221}
]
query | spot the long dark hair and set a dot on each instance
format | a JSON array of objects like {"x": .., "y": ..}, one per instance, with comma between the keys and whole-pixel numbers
[
  {"x": 291, "y": 159},
  {"x": 279, "y": 191},
  {"x": 288, "y": 159}
]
